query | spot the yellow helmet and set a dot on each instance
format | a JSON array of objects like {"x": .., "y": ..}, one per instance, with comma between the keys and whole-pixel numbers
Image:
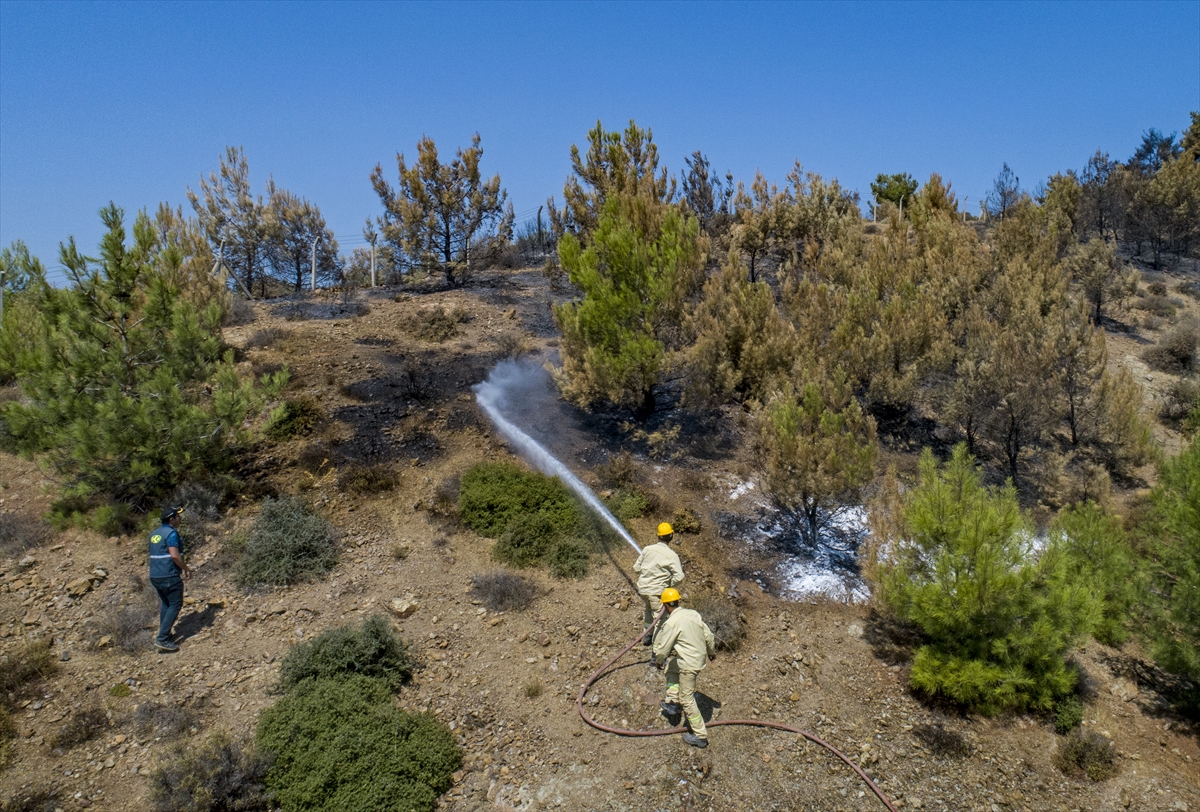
[
  {"x": 670, "y": 595},
  {"x": 665, "y": 529}
]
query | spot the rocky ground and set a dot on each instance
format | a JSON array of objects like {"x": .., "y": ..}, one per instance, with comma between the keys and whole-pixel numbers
[{"x": 506, "y": 682}]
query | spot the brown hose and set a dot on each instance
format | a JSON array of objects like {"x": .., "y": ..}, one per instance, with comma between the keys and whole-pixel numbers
[{"x": 620, "y": 731}]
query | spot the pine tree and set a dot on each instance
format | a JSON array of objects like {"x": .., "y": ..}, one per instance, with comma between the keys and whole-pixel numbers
[
  {"x": 616, "y": 165},
  {"x": 757, "y": 221},
  {"x": 615, "y": 337},
  {"x": 1103, "y": 278},
  {"x": 233, "y": 218},
  {"x": 438, "y": 212},
  {"x": 1097, "y": 552},
  {"x": 999, "y": 618},
  {"x": 1172, "y": 536},
  {"x": 127, "y": 388},
  {"x": 817, "y": 448},
  {"x": 742, "y": 347},
  {"x": 293, "y": 224}
]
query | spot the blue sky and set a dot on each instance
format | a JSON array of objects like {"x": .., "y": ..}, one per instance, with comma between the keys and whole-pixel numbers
[{"x": 132, "y": 102}]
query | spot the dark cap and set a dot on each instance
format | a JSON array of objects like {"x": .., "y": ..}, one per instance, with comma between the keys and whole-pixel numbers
[{"x": 169, "y": 512}]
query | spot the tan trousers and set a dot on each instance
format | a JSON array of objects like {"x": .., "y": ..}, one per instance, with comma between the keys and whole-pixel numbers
[
  {"x": 651, "y": 606},
  {"x": 681, "y": 688}
]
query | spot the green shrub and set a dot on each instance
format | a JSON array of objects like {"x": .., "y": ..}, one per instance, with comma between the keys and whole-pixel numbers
[
  {"x": 1181, "y": 399},
  {"x": 294, "y": 418},
  {"x": 627, "y": 504},
  {"x": 286, "y": 544},
  {"x": 1087, "y": 753},
  {"x": 722, "y": 618},
  {"x": 343, "y": 744},
  {"x": 503, "y": 591},
  {"x": 526, "y": 541},
  {"x": 218, "y": 776},
  {"x": 32, "y": 800},
  {"x": 491, "y": 494},
  {"x": 1068, "y": 713},
  {"x": 371, "y": 650},
  {"x": 120, "y": 690},
  {"x": 998, "y": 618},
  {"x": 569, "y": 558},
  {"x": 1098, "y": 556}
]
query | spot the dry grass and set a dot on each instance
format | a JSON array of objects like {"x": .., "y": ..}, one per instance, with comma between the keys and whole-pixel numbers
[
  {"x": 503, "y": 591},
  {"x": 722, "y": 617},
  {"x": 81, "y": 726}
]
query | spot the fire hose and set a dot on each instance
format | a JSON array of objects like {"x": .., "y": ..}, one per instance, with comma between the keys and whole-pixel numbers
[{"x": 620, "y": 731}]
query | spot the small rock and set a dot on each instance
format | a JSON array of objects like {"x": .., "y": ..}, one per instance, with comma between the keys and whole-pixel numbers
[
  {"x": 65, "y": 656},
  {"x": 623, "y": 605},
  {"x": 543, "y": 639},
  {"x": 79, "y": 587},
  {"x": 277, "y": 609},
  {"x": 402, "y": 608},
  {"x": 104, "y": 642},
  {"x": 794, "y": 697},
  {"x": 119, "y": 738},
  {"x": 1124, "y": 689},
  {"x": 30, "y": 619},
  {"x": 765, "y": 757},
  {"x": 855, "y": 630},
  {"x": 496, "y": 621},
  {"x": 26, "y": 562}
]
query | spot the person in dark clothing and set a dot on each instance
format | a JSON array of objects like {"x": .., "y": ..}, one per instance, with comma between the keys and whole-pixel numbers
[{"x": 168, "y": 571}]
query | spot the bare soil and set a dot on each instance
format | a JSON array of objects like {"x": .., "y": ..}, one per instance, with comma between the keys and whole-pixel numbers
[{"x": 506, "y": 682}]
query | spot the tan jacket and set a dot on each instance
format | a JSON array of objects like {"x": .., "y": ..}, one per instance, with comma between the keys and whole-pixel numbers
[
  {"x": 657, "y": 568},
  {"x": 688, "y": 635}
]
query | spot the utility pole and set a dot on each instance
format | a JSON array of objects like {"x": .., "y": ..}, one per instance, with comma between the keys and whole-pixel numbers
[
  {"x": 3, "y": 279},
  {"x": 540, "y": 243},
  {"x": 314, "y": 262},
  {"x": 372, "y": 264}
]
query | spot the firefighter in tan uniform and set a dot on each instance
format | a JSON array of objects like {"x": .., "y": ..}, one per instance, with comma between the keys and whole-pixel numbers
[
  {"x": 685, "y": 645},
  {"x": 657, "y": 568}
]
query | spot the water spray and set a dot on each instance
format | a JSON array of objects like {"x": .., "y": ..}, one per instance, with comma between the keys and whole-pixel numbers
[{"x": 489, "y": 395}]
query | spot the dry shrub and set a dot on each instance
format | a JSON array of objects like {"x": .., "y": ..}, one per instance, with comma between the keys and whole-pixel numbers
[
  {"x": 512, "y": 345},
  {"x": 83, "y": 725},
  {"x": 400, "y": 552},
  {"x": 533, "y": 688},
  {"x": 218, "y": 776},
  {"x": 32, "y": 800},
  {"x": 132, "y": 622},
  {"x": 1088, "y": 753},
  {"x": 1189, "y": 288},
  {"x": 163, "y": 720},
  {"x": 24, "y": 670},
  {"x": 686, "y": 520},
  {"x": 1157, "y": 288},
  {"x": 265, "y": 337},
  {"x": 368, "y": 479},
  {"x": 296, "y": 417},
  {"x": 20, "y": 532},
  {"x": 503, "y": 591},
  {"x": 1158, "y": 305},
  {"x": 240, "y": 312},
  {"x": 1181, "y": 397},
  {"x": 8, "y": 732},
  {"x": 620, "y": 471},
  {"x": 1176, "y": 351},
  {"x": 436, "y": 324},
  {"x": 722, "y": 617},
  {"x": 695, "y": 480},
  {"x": 286, "y": 544}
]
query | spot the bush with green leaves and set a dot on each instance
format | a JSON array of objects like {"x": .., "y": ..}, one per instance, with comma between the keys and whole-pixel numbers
[
  {"x": 127, "y": 388},
  {"x": 627, "y": 503},
  {"x": 998, "y": 616},
  {"x": 1068, "y": 713},
  {"x": 536, "y": 520},
  {"x": 286, "y": 544},
  {"x": 1172, "y": 539},
  {"x": 220, "y": 775},
  {"x": 491, "y": 494},
  {"x": 371, "y": 650},
  {"x": 344, "y": 744}
]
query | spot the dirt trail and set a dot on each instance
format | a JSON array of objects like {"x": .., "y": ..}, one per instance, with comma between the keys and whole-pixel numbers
[{"x": 506, "y": 682}]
